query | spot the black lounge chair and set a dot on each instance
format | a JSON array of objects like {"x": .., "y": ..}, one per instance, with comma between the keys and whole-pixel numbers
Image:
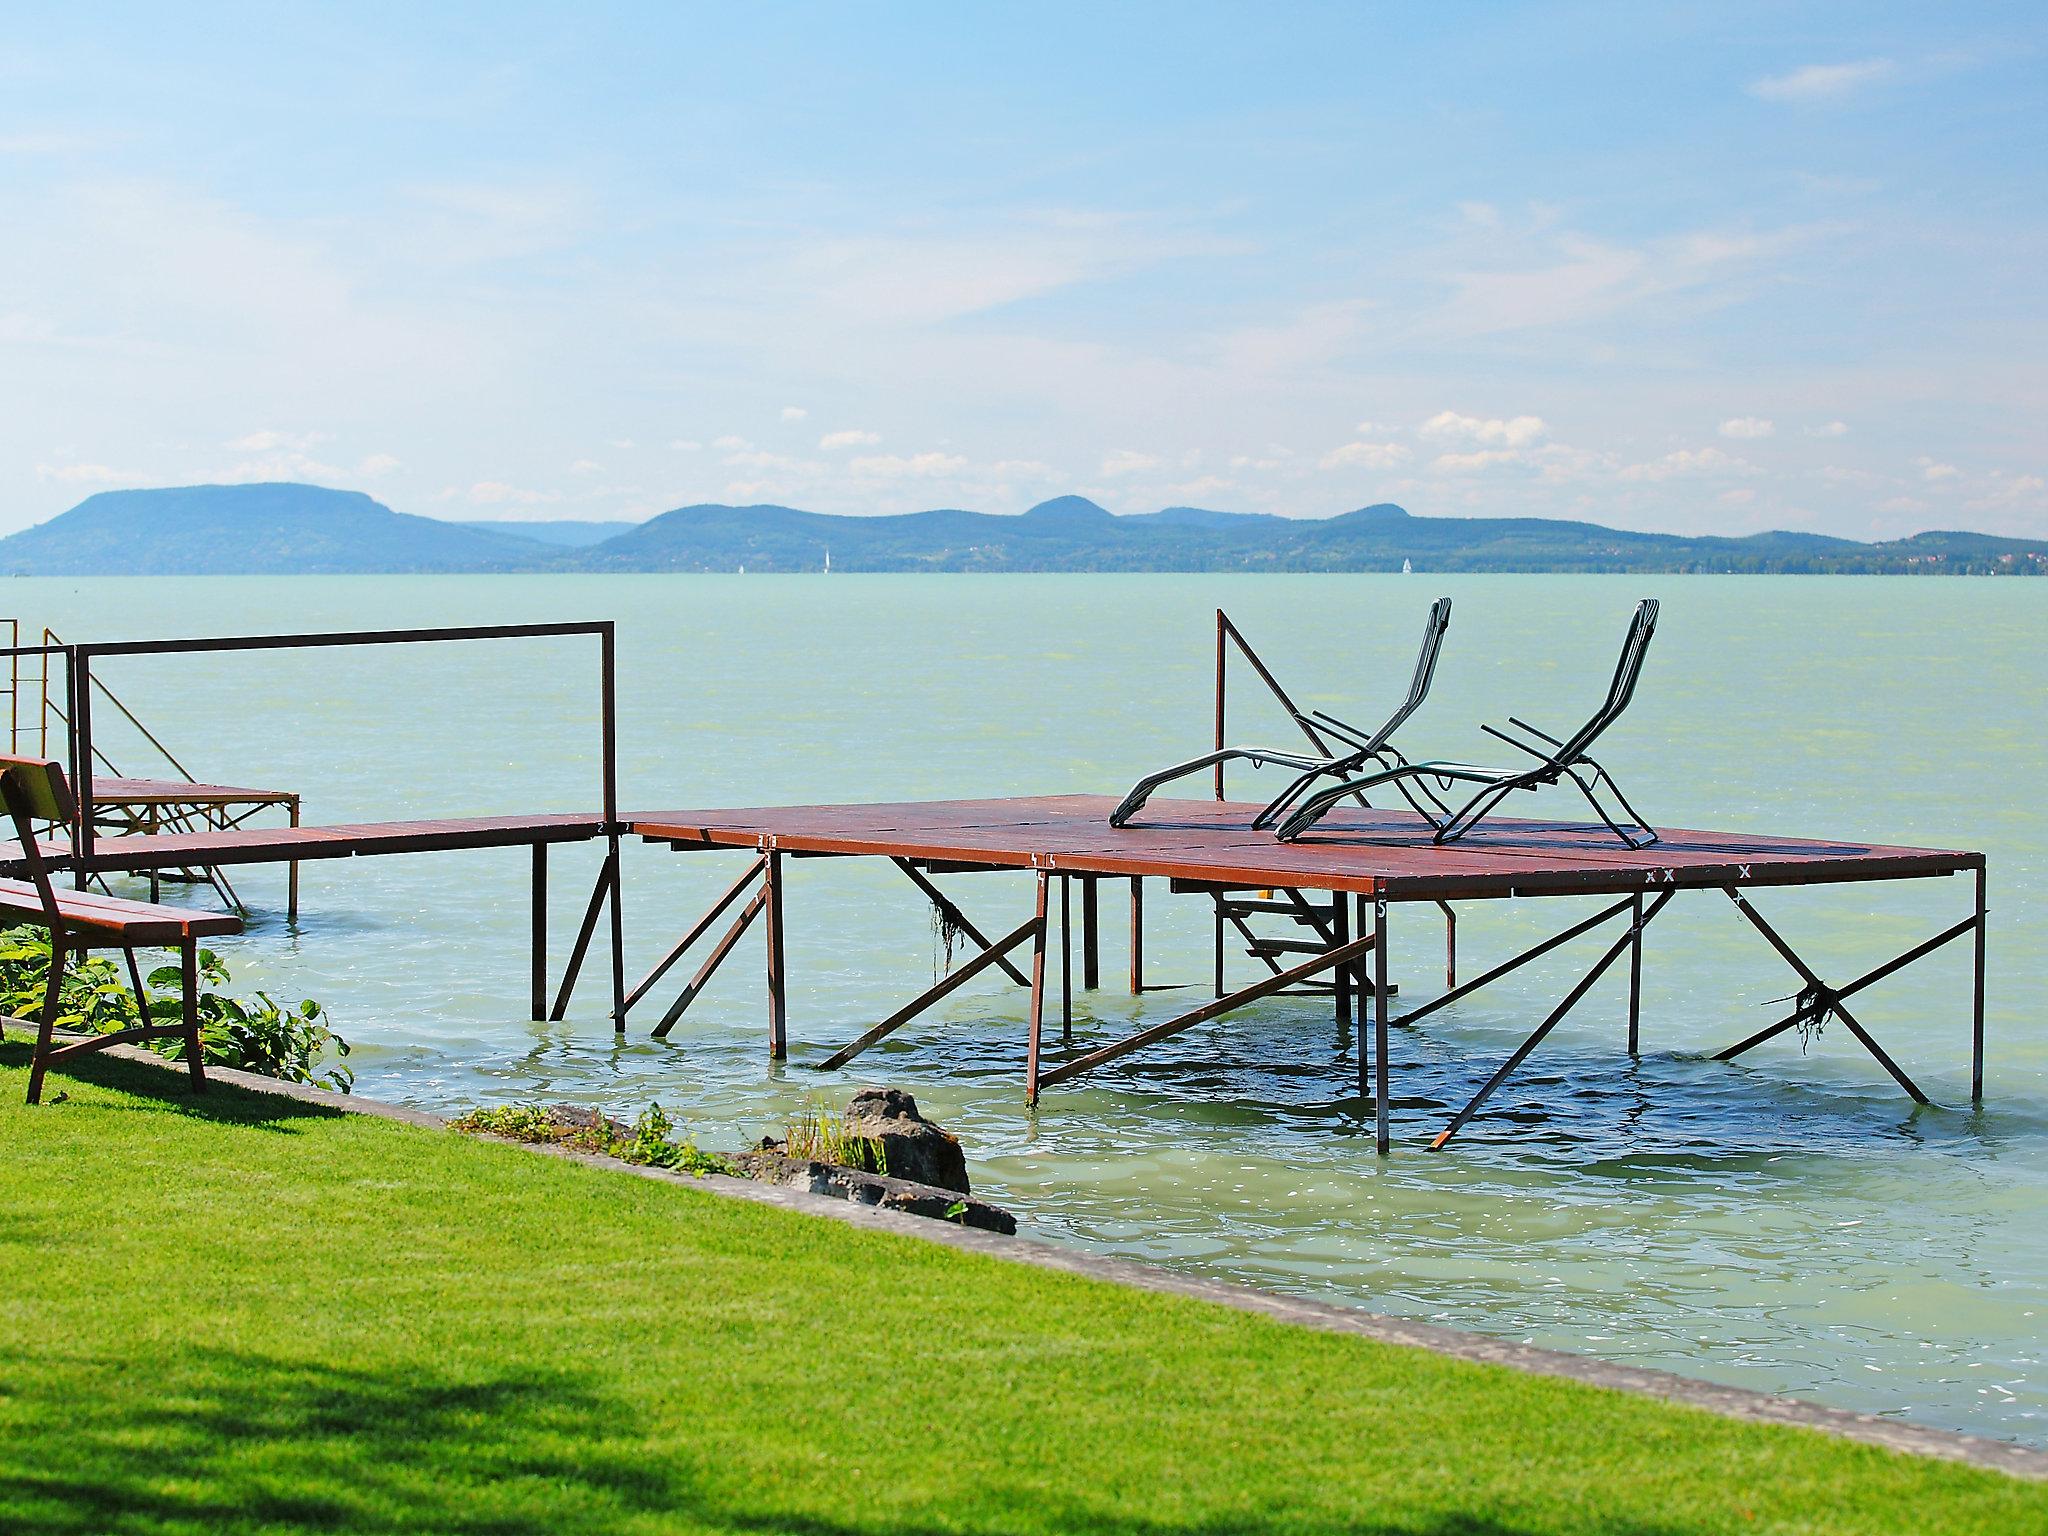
[
  {"x": 1364, "y": 748},
  {"x": 1555, "y": 761}
]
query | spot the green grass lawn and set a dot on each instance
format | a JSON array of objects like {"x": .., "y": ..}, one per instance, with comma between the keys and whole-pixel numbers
[{"x": 234, "y": 1313}]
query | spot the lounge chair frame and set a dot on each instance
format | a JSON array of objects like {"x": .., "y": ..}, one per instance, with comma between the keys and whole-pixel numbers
[
  {"x": 1354, "y": 749},
  {"x": 1557, "y": 760}
]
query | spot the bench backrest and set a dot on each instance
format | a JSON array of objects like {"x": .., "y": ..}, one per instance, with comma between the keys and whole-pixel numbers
[{"x": 39, "y": 787}]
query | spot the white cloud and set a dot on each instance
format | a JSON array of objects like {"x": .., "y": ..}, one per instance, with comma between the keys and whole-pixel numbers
[
  {"x": 1687, "y": 464},
  {"x": 852, "y": 437},
  {"x": 1747, "y": 426},
  {"x": 1931, "y": 469},
  {"x": 895, "y": 466},
  {"x": 685, "y": 444},
  {"x": 584, "y": 467},
  {"x": 794, "y": 413},
  {"x": 266, "y": 442},
  {"x": 1829, "y": 429},
  {"x": 376, "y": 464},
  {"x": 758, "y": 459},
  {"x": 1365, "y": 456},
  {"x": 621, "y": 442},
  {"x": 1741, "y": 496},
  {"x": 731, "y": 444},
  {"x": 496, "y": 493},
  {"x": 87, "y": 474},
  {"x": 1125, "y": 462},
  {"x": 1822, "y": 82},
  {"x": 1025, "y": 469},
  {"x": 1511, "y": 432}
]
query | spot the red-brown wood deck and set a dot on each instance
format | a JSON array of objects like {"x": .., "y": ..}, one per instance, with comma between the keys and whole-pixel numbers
[
  {"x": 1378, "y": 852},
  {"x": 276, "y": 845}
]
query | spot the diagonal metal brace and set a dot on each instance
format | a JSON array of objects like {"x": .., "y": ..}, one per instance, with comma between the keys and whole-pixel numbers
[
  {"x": 952, "y": 914},
  {"x": 1571, "y": 999},
  {"x": 991, "y": 954},
  {"x": 1818, "y": 1001},
  {"x": 1329, "y": 960}
]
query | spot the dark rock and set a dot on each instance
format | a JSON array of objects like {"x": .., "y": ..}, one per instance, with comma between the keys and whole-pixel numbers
[
  {"x": 574, "y": 1117},
  {"x": 773, "y": 1167},
  {"x": 913, "y": 1148}
]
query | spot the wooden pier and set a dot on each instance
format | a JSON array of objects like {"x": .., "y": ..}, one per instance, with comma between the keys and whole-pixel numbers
[{"x": 1361, "y": 863}]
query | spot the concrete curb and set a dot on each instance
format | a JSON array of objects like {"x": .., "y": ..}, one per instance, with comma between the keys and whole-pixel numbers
[{"x": 1730, "y": 1402}]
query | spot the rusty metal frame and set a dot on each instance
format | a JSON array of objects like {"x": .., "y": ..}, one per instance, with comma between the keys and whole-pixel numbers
[
  {"x": 606, "y": 894},
  {"x": 1640, "y": 918},
  {"x": 1817, "y": 1001}
]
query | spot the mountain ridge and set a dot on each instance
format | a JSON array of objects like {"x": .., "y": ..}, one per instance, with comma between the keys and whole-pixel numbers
[{"x": 281, "y": 527}]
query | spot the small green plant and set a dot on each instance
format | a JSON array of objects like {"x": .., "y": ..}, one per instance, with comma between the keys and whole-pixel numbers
[
  {"x": 957, "y": 1211},
  {"x": 255, "y": 1033},
  {"x": 819, "y": 1136},
  {"x": 649, "y": 1143}
]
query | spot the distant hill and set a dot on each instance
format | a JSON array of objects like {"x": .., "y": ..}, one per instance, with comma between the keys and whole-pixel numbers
[
  {"x": 273, "y": 529},
  {"x": 302, "y": 528},
  {"x": 572, "y": 534}
]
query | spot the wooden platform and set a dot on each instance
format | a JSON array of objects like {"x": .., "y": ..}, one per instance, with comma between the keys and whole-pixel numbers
[
  {"x": 277, "y": 845},
  {"x": 1386, "y": 854}
]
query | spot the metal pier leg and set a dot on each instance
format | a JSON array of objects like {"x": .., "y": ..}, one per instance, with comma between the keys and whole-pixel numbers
[
  {"x": 540, "y": 930},
  {"x": 1635, "y": 979},
  {"x": 188, "y": 974},
  {"x": 1137, "y": 934},
  {"x": 778, "y": 1002},
  {"x": 1362, "y": 993},
  {"x": 582, "y": 945},
  {"x": 1340, "y": 979},
  {"x": 1038, "y": 984},
  {"x": 1091, "y": 937},
  {"x": 1977, "y": 1002},
  {"x": 1216, "y": 948},
  {"x": 618, "y": 941},
  {"x": 1066, "y": 961},
  {"x": 1383, "y": 1130},
  {"x": 291, "y": 897},
  {"x": 1450, "y": 947}
]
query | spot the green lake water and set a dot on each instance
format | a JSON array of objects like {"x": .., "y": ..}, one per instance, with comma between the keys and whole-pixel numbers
[{"x": 1790, "y": 1222}]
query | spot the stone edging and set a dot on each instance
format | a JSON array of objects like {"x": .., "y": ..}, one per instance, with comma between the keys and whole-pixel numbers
[{"x": 1731, "y": 1402}]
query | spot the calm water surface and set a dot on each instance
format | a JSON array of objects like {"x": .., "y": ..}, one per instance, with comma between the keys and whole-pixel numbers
[{"x": 1789, "y": 1222}]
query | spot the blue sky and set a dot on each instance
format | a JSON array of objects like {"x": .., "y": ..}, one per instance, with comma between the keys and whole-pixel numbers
[{"x": 1698, "y": 268}]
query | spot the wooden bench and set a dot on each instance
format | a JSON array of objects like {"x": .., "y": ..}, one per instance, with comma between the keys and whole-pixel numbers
[{"x": 79, "y": 922}]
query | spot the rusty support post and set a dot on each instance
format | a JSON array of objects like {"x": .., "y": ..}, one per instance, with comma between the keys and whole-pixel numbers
[
  {"x": 1340, "y": 979},
  {"x": 1977, "y": 1002},
  {"x": 291, "y": 898},
  {"x": 540, "y": 930},
  {"x": 1038, "y": 990},
  {"x": 1382, "y": 1120},
  {"x": 1137, "y": 935},
  {"x": 778, "y": 1002},
  {"x": 1091, "y": 936},
  {"x": 1635, "y": 978},
  {"x": 1216, "y": 947},
  {"x": 1066, "y": 961}
]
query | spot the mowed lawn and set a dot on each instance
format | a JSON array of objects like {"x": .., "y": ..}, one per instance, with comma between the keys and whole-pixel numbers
[{"x": 234, "y": 1313}]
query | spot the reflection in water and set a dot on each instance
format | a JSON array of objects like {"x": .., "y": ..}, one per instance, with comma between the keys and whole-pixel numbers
[{"x": 1788, "y": 1221}]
